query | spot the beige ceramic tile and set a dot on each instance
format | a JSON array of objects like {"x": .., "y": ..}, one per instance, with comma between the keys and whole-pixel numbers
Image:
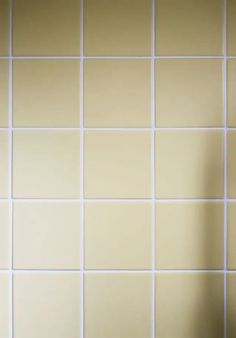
[
  {"x": 117, "y": 93},
  {"x": 46, "y": 164},
  {"x": 231, "y": 93},
  {"x": 117, "y": 164},
  {"x": 189, "y": 27},
  {"x": 118, "y": 305},
  {"x": 189, "y": 93},
  {"x": 4, "y": 164},
  {"x": 46, "y": 93},
  {"x": 190, "y": 164},
  {"x": 4, "y": 306},
  {"x": 46, "y": 305},
  {"x": 118, "y": 27},
  {"x": 46, "y": 235},
  {"x": 231, "y": 235},
  {"x": 118, "y": 236},
  {"x": 231, "y": 164},
  {"x": 190, "y": 235},
  {"x": 46, "y": 27},
  {"x": 4, "y": 235},
  {"x": 190, "y": 305},
  {"x": 4, "y": 93},
  {"x": 231, "y": 305},
  {"x": 231, "y": 27},
  {"x": 4, "y": 27}
]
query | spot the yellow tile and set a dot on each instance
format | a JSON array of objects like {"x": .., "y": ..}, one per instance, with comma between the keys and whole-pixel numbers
[
  {"x": 231, "y": 305},
  {"x": 231, "y": 27},
  {"x": 231, "y": 164},
  {"x": 4, "y": 93},
  {"x": 189, "y": 27},
  {"x": 189, "y": 93},
  {"x": 190, "y": 305},
  {"x": 117, "y": 93},
  {"x": 5, "y": 306},
  {"x": 4, "y": 27},
  {"x": 231, "y": 93},
  {"x": 190, "y": 235},
  {"x": 4, "y": 164},
  {"x": 46, "y": 93},
  {"x": 118, "y": 236},
  {"x": 46, "y": 27},
  {"x": 231, "y": 235},
  {"x": 46, "y": 164},
  {"x": 117, "y": 165},
  {"x": 46, "y": 305},
  {"x": 117, "y": 27},
  {"x": 189, "y": 164},
  {"x": 117, "y": 306},
  {"x": 4, "y": 235},
  {"x": 46, "y": 235}
]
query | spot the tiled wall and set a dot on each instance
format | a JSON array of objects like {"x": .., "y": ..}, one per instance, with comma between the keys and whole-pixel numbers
[{"x": 117, "y": 168}]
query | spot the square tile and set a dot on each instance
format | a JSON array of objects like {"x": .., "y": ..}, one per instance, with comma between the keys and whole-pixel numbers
[
  {"x": 118, "y": 235},
  {"x": 4, "y": 164},
  {"x": 4, "y": 27},
  {"x": 46, "y": 235},
  {"x": 46, "y": 305},
  {"x": 4, "y": 306},
  {"x": 118, "y": 305},
  {"x": 190, "y": 235},
  {"x": 46, "y": 27},
  {"x": 189, "y": 93},
  {"x": 4, "y": 235},
  {"x": 117, "y": 93},
  {"x": 231, "y": 77},
  {"x": 231, "y": 305},
  {"x": 231, "y": 27},
  {"x": 46, "y": 164},
  {"x": 189, "y": 27},
  {"x": 4, "y": 93},
  {"x": 231, "y": 235},
  {"x": 231, "y": 165},
  {"x": 189, "y": 164},
  {"x": 46, "y": 93},
  {"x": 190, "y": 305},
  {"x": 116, "y": 28},
  {"x": 117, "y": 164}
]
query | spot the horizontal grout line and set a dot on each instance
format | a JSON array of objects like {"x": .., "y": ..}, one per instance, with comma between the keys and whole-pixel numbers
[
  {"x": 67, "y": 57},
  {"x": 113, "y": 200},
  {"x": 117, "y": 129}
]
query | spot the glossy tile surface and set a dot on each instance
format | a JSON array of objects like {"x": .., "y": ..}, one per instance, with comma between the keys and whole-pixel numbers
[
  {"x": 5, "y": 305},
  {"x": 4, "y": 235},
  {"x": 4, "y": 164},
  {"x": 4, "y": 93}
]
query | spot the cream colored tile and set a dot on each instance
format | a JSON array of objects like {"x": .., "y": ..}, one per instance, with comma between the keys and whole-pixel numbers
[
  {"x": 4, "y": 306},
  {"x": 46, "y": 164},
  {"x": 4, "y": 235},
  {"x": 190, "y": 235},
  {"x": 4, "y": 27},
  {"x": 231, "y": 164},
  {"x": 190, "y": 164},
  {"x": 118, "y": 236},
  {"x": 117, "y": 164},
  {"x": 118, "y": 305},
  {"x": 46, "y": 27},
  {"x": 231, "y": 305},
  {"x": 189, "y": 93},
  {"x": 118, "y": 27},
  {"x": 46, "y": 93},
  {"x": 4, "y": 164},
  {"x": 46, "y": 235},
  {"x": 190, "y": 305},
  {"x": 231, "y": 235},
  {"x": 231, "y": 27},
  {"x": 231, "y": 93},
  {"x": 46, "y": 305},
  {"x": 117, "y": 93},
  {"x": 189, "y": 27},
  {"x": 4, "y": 93}
]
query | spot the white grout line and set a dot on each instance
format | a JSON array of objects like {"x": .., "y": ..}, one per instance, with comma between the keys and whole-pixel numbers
[
  {"x": 138, "y": 129},
  {"x": 116, "y": 271}
]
